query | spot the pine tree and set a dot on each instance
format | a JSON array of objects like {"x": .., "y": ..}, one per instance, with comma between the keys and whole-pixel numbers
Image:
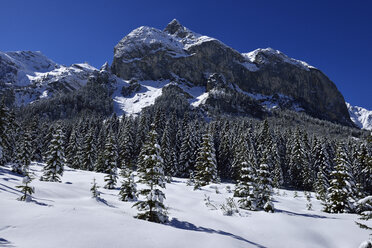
[
  {"x": 111, "y": 161},
  {"x": 278, "y": 172},
  {"x": 151, "y": 175},
  {"x": 321, "y": 162},
  {"x": 26, "y": 189},
  {"x": 225, "y": 153},
  {"x": 36, "y": 144},
  {"x": 72, "y": 158},
  {"x": 55, "y": 157},
  {"x": 186, "y": 160},
  {"x": 4, "y": 132},
  {"x": 206, "y": 165},
  {"x": 167, "y": 152},
  {"x": 246, "y": 187},
  {"x": 24, "y": 154},
  {"x": 296, "y": 162},
  {"x": 128, "y": 189},
  {"x": 265, "y": 189},
  {"x": 125, "y": 145},
  {"x": 94, "y": 189},
  {"x": 340, "y": 198},
  {"x": 88, "y": 151}
]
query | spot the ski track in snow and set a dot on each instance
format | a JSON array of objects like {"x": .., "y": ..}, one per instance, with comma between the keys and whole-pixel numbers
[{"x": 65, "y": 215}]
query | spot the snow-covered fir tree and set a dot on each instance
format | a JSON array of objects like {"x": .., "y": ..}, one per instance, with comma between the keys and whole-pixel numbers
[
  {"x": 111, "y": 161},
  {"x": 167, "y": 152},
  {"x": 265, "y": 189},
  {"x": 187, "y": 150},
  {"x": 4, "y": 132},
  {"x": 151, "y": 175},
  {"x": 246, "y": 186},
  {"x": 94, "y": 189},
  {"x": 340, "y": 198},
  {"x": 206, "y": 165},
  {"x": 55, "y": 160},
  {"x": 321, "y": 162},
  {"x": 26, "y": 189},
  {"x": 125, "y": 144},
  {"x": 24, "y": 154},
  {"x": 296, "y": 161},
  {"x": 87, "y": 155},
  {"x": 72, "y": 158},
  {"x": 128, "y": 189}
]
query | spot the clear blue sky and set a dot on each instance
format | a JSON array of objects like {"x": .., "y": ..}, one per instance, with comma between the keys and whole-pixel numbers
[{"x": 334, "y": 36}]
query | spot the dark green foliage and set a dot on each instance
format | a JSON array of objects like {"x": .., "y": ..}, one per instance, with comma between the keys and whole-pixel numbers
[
  {"x": 26, "y": 189},
  {"x": 53, "y": 169},
  {"x": 128, "y": 188},
  {"x": 151, "y": 174},
  {"x": 206, "y": 165}
]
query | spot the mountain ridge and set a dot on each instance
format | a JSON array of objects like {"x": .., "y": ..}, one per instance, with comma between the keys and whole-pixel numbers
[
  {"x": 178, "y": 54},
  {"x": 173, "y": 56}
]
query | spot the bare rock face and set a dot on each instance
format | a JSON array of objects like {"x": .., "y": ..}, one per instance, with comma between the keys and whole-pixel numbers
[{"x": 178, "y": 54}]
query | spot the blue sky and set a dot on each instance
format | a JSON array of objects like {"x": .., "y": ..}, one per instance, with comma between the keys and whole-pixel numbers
[{"x": 334, "y": 36}]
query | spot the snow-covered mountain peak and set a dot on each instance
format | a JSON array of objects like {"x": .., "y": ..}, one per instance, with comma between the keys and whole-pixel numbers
[
  {"x": 270, "y": 55},
  {"x": 143, "y": 38},
  {"x": 177, "y": 29},
  {"x": 29, "y": 61},
  {"x": 360, "y": 116}
]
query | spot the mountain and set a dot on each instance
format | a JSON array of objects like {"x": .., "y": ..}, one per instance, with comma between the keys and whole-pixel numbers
[
  {"x": 26, "y": 76},
  {"x": 360, "y": 116},
  {"x": 181, "y": 55},
  {"x": 152, "y": 66}
]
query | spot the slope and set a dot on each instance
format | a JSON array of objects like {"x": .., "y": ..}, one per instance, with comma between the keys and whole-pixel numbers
[{"x": 65, "y": 215}]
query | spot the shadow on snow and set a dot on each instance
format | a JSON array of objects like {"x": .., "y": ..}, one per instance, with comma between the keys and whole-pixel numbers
[{"x": 191, "y": 227}]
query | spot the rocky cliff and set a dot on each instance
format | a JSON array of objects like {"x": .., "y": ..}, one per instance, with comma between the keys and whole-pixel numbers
[{"x": 180, "y": 55}]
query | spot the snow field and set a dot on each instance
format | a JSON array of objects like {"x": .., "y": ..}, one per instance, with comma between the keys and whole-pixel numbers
[{"x": 65, "y": 215}]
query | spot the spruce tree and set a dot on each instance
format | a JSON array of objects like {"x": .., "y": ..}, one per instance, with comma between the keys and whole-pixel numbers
[
  {"x": 72, "y": 158},
  {"x": 265, "y": 189},
  {"x": 128, "y": 189},
  {"x": 24, "y": 154},
  {"x": 321, "y": 162},
  {"x": 125, "y": 145},
  {"x": 246, "y": 186},
  {"x": 186, "y": 159},
  {"x": 340, "y": 198},
  {"x": 167, "y": 152},
  {"x": 94, "y": 189},
  {"x": 111, "y": 161},
  {"x": 26, "y": 189},
  {"x": 87, "y": 155},
  {"x": 151, "y": 175},
  {"x": 5, "y": 132},
  {"x": 296, "y": 162},
  {"x": 56, "y": 160},
  {"x": 206, "y": 165}
]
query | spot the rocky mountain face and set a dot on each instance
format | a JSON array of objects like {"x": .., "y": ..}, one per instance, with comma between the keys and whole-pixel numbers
[
  {"x": 180, "y": 55},
  {"x": 27, "y": 76}
]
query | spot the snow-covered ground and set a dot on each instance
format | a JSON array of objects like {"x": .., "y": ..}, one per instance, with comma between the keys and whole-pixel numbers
[
  {"x": 133, "y": 104},
  {"x": 65, "y": 215}
]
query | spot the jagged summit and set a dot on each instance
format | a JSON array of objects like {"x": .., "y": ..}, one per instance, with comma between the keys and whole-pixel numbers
[{"x": 177, "y": 29}]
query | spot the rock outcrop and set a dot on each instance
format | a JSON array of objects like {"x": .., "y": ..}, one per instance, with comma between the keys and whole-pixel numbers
[{"x": 178, "y": 54}]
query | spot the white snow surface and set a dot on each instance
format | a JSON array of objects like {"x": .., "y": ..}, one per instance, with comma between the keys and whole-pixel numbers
[
  {"x": 133, "y": 104},
  {"x": 360, "y": 116},
  {"x": 65, "y": 215}
]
